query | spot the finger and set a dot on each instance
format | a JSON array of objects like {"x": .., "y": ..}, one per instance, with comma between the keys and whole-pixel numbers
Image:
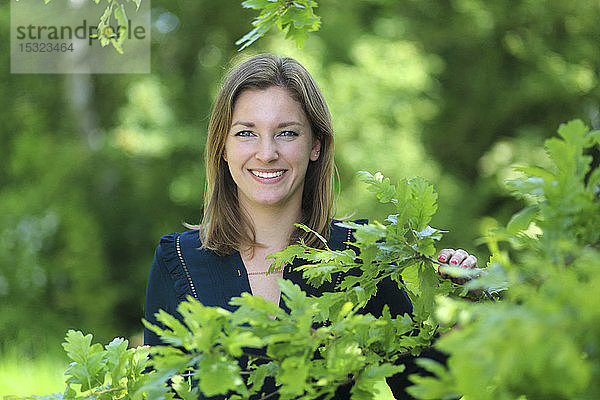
[
  {"x": 458, "y": 257},
  {"x": 445, "y": 254},
  {"x": 469, "y": 262}
]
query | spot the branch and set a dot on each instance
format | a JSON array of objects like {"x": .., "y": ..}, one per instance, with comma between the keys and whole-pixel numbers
[{"x": 116, "y": 389}]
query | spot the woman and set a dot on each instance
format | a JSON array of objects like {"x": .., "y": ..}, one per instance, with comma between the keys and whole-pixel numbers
[{"x": 269, "y": 165}]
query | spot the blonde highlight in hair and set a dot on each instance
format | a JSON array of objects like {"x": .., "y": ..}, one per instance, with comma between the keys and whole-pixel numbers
[{"x": 225, "y": 227}]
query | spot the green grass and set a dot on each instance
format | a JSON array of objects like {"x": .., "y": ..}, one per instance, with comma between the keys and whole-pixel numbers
[{"x": 23, "y": 376}]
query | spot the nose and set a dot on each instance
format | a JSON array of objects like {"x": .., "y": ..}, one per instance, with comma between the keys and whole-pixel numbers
[{"x": 267, "y": 151}]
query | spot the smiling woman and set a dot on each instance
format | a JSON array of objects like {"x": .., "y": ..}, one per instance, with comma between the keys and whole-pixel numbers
[{"x": 269, "y": 166}]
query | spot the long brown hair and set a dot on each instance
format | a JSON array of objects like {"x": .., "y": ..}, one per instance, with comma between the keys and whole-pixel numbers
[{"x": 225, "y": 227}]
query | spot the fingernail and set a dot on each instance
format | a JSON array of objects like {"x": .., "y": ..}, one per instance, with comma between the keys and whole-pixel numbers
[
  {"x": 454, "y": 262},
  {"x": 442, "y": 258}
]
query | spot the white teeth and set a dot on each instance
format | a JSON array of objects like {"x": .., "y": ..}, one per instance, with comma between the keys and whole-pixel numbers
[{"x": 267, "y": 174}]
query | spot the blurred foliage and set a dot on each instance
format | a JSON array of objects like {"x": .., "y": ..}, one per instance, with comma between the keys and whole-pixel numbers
[
  {"x": 95, "y": 168},
  {"x": 541, "y": 341}
]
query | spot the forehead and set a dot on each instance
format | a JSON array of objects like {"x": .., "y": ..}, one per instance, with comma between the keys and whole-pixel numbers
[{"x": 269, "y": 103}]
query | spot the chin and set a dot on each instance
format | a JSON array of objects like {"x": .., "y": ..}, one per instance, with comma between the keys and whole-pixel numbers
[{"x": 271, "y": 201}]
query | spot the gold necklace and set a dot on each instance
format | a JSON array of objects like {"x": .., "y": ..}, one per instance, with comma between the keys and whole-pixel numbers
[{"x": 259, "y": 273}]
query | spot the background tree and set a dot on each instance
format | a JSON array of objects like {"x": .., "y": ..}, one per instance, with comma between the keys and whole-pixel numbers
[{"x": 94, "y": 169}]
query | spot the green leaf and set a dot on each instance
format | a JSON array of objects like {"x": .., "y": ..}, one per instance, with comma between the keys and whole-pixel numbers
[
  {"x": 317, "y": 234},
  {"x": 116, "y": 358},
  {"x": 521, "y": 220},
  {"x": 123, "y": 26},
  {"x": 537, "y": 172},
  {"x": 175, "y": 332},
  {"x": 218, "y": 374},
  {"x": 263, "y": 24},
  {"x": 293, "y": 294},
  {"x": 428, "y": 280},
  {"x": 573, "y": 132},
  {"x": 251, "y": 308},
  {"x": 372, "y": 376},
  {"x": 88, "y": 368},
  {"x": 533, "y": 186},
  {"x": 258, "y": 376},
  {"x": 77, "y": 346},
  {"x": 292, "y": 375},
  {"x": 593, "y": 137},
  {"x": 594, "y": 182},
  {"x": 257, "y": 4},
  {"x": 183, "y": 388},
  {"x": 316, "y": 275},
  {"x": 429, "y": 232},
  {"x": 424, "y": 202},
  {"x": 380, "y": 185},
  {"x": 410, "y": 276},
  {"x": 234, "y": 344}
]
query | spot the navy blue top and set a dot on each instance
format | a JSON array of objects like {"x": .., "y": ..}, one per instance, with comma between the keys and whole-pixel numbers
[{"x": 214, "y": 279}]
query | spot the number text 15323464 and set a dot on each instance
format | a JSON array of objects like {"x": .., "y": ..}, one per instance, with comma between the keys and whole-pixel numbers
[{"x": 35, "y": 47}]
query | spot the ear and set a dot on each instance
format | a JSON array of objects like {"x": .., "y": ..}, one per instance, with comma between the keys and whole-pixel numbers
[
  {"x": 315, "y": 152},
  {"x": 225, "y": 156}
]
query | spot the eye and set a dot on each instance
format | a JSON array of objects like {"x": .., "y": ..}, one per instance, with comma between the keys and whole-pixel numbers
[
  {"x": 245, "y": 134},
  {"x": 287, "y": 134}
]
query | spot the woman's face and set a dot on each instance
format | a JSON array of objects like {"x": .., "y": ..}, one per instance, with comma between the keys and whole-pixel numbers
[{"x": 268, "y": 148}]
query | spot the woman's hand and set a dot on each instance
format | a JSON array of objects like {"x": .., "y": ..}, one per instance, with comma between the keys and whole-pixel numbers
[{"x": 459, "y": 258}]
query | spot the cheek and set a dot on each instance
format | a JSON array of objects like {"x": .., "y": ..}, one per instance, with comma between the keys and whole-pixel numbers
[
  {"x": 230, "y": 152},
  {"x": 302, "y": 158}
]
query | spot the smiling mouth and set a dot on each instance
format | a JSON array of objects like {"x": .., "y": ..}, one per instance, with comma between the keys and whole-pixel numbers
[{"x": 267, "y": 175}]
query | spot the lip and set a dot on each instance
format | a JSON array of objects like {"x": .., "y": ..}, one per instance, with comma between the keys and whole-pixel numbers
[{"x": 265, "y": 179}]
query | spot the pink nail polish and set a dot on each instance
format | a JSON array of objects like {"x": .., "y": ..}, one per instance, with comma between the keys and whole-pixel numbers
[{"x": 442, "y": 258}]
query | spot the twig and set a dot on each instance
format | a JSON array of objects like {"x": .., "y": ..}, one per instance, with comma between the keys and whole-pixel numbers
[{"x": 110, "y": 390}]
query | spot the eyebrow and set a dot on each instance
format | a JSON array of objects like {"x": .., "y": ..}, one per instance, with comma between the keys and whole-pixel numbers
[{"x": 250, "y": 124}]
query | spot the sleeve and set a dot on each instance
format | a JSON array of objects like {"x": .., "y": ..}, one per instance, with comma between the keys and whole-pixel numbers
[{"x": 160, "y": 294}]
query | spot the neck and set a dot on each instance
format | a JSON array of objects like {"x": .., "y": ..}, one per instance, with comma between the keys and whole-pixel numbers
[{"x": 274, "y": 225}]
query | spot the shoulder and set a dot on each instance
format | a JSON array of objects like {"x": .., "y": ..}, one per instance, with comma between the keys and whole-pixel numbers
[
  {"x": 171, "y": 239},
  {"x": 174, "y": 247},
  {"x": 179, "y": 254},
  {"x": 174, "y": 240}
]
